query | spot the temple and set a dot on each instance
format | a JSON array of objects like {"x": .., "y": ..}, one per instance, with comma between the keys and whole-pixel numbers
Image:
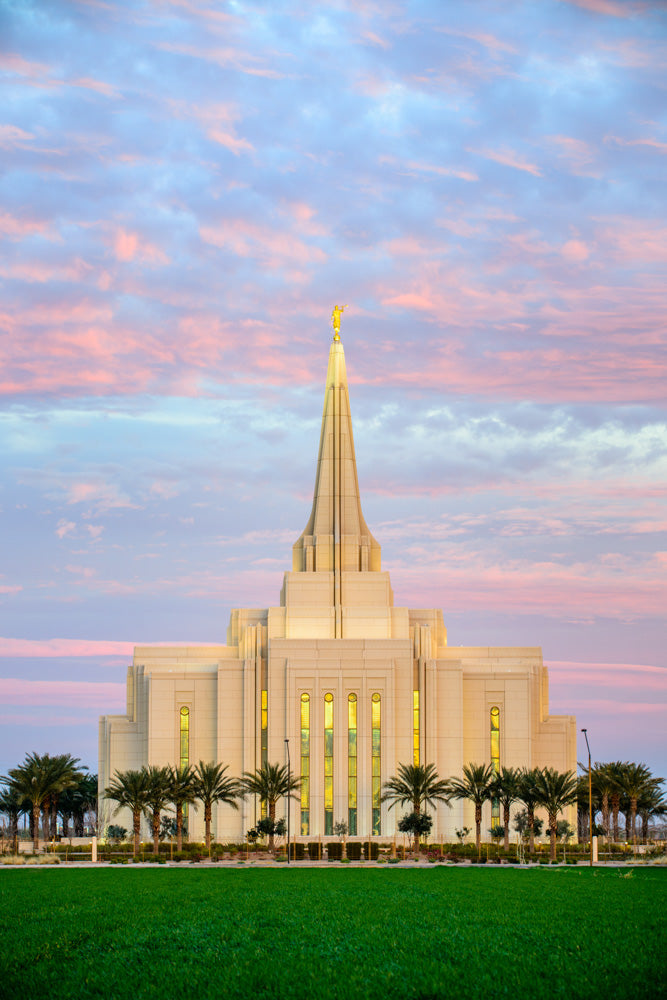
[{"x": 354, "y": 683}]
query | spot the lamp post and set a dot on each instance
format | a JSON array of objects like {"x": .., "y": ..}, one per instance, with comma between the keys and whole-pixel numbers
[
  {"x": 590, "y": 796},
  {"x": 289, "y": 782}
]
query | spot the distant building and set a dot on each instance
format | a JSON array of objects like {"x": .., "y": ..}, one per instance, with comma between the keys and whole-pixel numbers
[{"x": 354, "y": 683}]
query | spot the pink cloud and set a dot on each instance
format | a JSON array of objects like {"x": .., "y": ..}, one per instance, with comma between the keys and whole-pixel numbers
[
  {"x": 130, "y": 246},
  {"x": 103, "y": 696},
  {"x": 11, "y": 136},
  {"x": 64, "y": 648},
  {"x": 17, "y": 228},
  {"x": 652, "y": 143},
  {"x": 509, "y": 159},
  {"x": 613, "y": 8},
  {"x": 87, "y": 83},
  {"x": 272, "y": 248},
  {"x": 575, "y": 250}
]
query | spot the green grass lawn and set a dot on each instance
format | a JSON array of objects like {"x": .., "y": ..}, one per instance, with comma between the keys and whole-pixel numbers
[{"x": 317, "y": 933}]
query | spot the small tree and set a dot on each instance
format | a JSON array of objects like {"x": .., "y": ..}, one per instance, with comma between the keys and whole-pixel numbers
[
  {"x": 497, "y": 833},
  {"x": 116, "y": 834},
  {"x": 340, "y": 828},
  {"x": 462, "y": 834},
  {"x": 523, "y": 827},
  {"x": 417, "y": 824}
]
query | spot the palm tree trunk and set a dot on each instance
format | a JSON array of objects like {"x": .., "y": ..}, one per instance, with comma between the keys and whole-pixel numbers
[
  {"x": 615, "y": 805},
  {"x": 506, "y": 820},
  {"x": 531, "y": 829},
  {"x": 605, "y": 814},
  {"x": 644, "y": 816},
  {"x": 272, "y": 817},
  {"x": 156, "y": 831},
  {"x": 207, "y": 821},
  {"x": 136, "y": 822},
  {"x": 478, "y": 827},
  {"x": 36, "y": 809},
  {"x": 553, "y": 827},
  {"x": 633, "y": 819},
  {"x": 179, "y": 826}
]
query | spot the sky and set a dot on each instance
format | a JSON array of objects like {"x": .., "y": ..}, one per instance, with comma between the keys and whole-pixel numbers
[{"x": 186, "y": 190}]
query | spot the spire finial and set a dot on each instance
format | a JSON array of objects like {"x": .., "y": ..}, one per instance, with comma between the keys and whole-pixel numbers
[{"x": 335, "y": 319}]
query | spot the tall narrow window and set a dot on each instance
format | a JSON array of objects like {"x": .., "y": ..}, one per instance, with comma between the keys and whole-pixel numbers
[
  {"x": 264, "y": 741},
  {"x": 305, "y": 765},
  {"x": 328, "y": 764},
  {"x": 495, "y": 760},
  {"x": 352, "y": 765},
  {"x": 184, "y": 756},
  {"x": 185, "y": 737},
  {"x": 376, "y": 776},
  {"x": 415, "y": 728}
]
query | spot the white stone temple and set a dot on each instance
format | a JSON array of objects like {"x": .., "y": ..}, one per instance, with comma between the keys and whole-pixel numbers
[{"x": 356, "y": 684}]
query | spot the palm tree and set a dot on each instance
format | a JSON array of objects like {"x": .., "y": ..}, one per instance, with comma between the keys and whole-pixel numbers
[
  {"x": 271, "y": 782},
  {"x": 615, "y": 772},
  {"x": 603, "y": 785},
  {"x": 128, "y": 789},
  {"x": 507, "y": 788},
  {"x": 633, "y": 780},
  {"x": 476, "y": 786},
  {"x": 158, "y": 796},
  {"x": 183, "y": 792},
  {"x": 41, "y": 778},
  {"x": 528, "y": 794},
  {"x": 419, "y": 785},
  {"x": 213, "y": 785},
  {"x": 556, "y": 790},
  {"x": 12, "y": 803},
  {"x": 651, "y": 803},
  {"x": 75, "y": 802}
]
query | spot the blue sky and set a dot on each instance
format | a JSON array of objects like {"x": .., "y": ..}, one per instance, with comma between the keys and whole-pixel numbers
[{"x": 188, "y": 188}]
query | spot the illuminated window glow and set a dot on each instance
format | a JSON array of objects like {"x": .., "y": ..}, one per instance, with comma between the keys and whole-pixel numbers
[
  {"x": 328, "y": 764},
  {"x": 185, "y": 737},
  {"x": 376, "y": 776},
  {"x": 415, "y": 728},
  {"x": 184, "y": 756},
  {"x": 305, "y": 765},
  {"x": 264, "y": 742},
  {"x": 495, "y": 761}
]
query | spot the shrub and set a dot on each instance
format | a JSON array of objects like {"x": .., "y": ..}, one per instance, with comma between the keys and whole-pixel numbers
[
  {"x": 297, "y": 852},
  {"x": 315, "y": 850},
  {"x": 353, "y": 850},
  {"x": 334, "y": 851},
  {"x": 371, "y": 850}
]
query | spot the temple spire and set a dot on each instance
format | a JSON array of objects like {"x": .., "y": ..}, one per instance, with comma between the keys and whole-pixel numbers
[{"x": 336, "y": 537}]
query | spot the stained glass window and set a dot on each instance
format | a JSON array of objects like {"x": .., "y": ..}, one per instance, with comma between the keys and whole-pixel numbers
[
  {"x": 376, "y": 775},
  {"x": 328, "y": 764},
  {"x": 305, "y": 765},
  {"x": 352, "y": 765},
  {"x": 495, "y": 760},
  {"x": 415, "y": 728}
]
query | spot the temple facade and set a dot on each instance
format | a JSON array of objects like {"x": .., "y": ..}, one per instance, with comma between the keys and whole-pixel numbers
[{"x": 355, "y": 684}]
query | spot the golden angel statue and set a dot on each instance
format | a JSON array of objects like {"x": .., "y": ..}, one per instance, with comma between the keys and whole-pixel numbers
[{"x": 335, "y": 319}]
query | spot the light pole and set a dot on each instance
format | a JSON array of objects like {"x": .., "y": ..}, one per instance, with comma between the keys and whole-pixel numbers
[
  {"x": 289, "y": 782},
  {"x": 590, "y": 796}
]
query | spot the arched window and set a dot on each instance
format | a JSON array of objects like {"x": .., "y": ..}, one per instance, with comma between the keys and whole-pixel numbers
[
  {"x": 305, "y": 765},
  {"x": 185, "y": 737},
  {"x": 376, "y": 763},
  {"x": 495, "y": 760},
  {"x": 328, "y": 764},
  {"x": 352, "y": 765}
]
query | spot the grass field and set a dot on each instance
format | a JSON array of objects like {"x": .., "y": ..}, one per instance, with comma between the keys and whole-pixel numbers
[{"x": 317, "y": 933}]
